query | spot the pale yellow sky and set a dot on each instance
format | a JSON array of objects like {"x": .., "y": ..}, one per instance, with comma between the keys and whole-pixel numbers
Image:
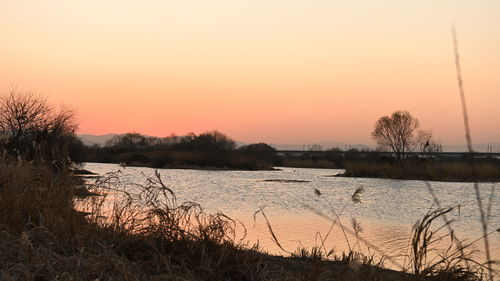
[{"x": 273, "y": 71}]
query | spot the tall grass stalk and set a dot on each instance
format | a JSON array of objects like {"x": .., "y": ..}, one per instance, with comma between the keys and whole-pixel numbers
[
  {"x": 353, "y": 232},
  {"x": 483, "y": 216}
]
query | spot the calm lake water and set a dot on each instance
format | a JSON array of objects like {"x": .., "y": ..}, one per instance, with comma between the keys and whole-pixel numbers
[{"x": 387, "y": 212}]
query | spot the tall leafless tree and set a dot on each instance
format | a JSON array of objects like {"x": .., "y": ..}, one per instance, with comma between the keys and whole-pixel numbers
[{"x": 397, "y": 133}]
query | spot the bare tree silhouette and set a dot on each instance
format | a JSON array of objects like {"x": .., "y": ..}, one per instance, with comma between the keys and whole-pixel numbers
[{"x": 397, "y": 133}]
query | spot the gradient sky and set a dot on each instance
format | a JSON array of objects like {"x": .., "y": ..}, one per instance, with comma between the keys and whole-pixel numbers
[{"x": 274, "y": 71}]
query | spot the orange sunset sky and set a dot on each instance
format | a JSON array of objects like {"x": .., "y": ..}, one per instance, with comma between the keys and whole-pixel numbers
[{"x": 291, "y": 71}]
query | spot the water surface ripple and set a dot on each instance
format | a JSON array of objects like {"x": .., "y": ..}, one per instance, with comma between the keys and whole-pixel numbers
[{"x": 388, "y": 208}]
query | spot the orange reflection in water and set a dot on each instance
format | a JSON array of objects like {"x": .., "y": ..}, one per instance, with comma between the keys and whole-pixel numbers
[{"x": 375, "y": 238}]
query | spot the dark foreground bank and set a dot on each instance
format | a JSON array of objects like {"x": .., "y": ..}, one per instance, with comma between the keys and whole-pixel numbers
[{"x": 46, "y": 233}]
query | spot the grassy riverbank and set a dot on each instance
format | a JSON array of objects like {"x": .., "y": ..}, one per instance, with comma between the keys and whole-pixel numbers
[
  {"x": 435, "y": 171},
  {"x": 44, "y": 237}
]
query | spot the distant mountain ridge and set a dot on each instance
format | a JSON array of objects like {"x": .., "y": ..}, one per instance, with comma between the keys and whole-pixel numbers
[
  {"x": 95, "y": 139},
  {"x": 89, "y": 139}
]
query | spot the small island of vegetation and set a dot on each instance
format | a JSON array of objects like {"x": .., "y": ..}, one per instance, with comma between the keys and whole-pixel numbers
[
  {"x": 209, "y": 150},
  {"x": 415, "y": 154}
]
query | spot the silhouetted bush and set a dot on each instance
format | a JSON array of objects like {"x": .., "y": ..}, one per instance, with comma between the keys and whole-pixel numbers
[
  {"x": 76, "y": 149},
  {"x": 32, "y": 130},
  {"x": 209, "y": 141},
  {"x": 262, "y": 151}
]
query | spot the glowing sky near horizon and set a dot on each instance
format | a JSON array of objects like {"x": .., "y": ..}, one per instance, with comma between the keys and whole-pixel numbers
[{"x": 274, "y": 71}]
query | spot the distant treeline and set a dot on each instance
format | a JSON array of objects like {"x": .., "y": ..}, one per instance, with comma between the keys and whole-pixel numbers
[
  {"x": 214, "y": 150},
  {"x": 416, "y": 165},
  {"x": 210, "y": 150}
]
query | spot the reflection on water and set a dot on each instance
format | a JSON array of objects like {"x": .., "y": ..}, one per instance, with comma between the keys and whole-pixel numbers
[{"x": 388, "y": 208}]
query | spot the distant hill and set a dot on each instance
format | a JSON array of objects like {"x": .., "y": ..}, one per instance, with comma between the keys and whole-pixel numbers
[{"x": 96, "y": 139}]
